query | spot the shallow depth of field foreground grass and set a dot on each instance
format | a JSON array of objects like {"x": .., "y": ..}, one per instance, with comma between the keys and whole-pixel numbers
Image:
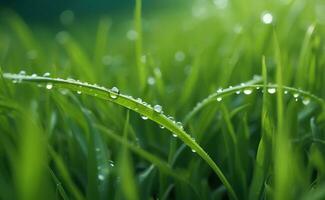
[{"x": 203, "y": 100}]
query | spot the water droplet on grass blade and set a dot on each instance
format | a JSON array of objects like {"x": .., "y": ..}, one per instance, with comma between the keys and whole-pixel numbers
[
  {"x": 144, "y": 117},
  {"x": 219, "y": 98},
  {"x": 114, "y": 92},
  {"x": 306, "y": 101},
  {"x": 101, "y": 177},
  {"x": 238, "y": 92},
  {"x": 22, "y": 72},
  {"x": 271, "y": 90},
  {"x": 180, "y": 125},
  {"x": 49, "y": 86},
  {"x": 157, "y": 108},
  {"x": 174, "y": 135},
  {"x": 46, "y": 74},
  {"x": 295, "y": 95},
  {"x": 193, "y": 150},
  {"x": 248, "y": 91},
  {"x": 79, "y": 92}
]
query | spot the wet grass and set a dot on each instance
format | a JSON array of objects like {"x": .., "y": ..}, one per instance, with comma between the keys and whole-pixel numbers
[{"x": 205, "y": 102}]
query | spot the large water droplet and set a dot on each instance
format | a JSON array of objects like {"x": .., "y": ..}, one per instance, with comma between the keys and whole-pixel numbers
[
  {"x": 22, "y": 72},
  {"x": 271, "y": 90},
  {"x": 248, "y": 91},
  {"x": 114, "y": 92},
  {"x": 49, "y": 86},
  {"x": 157, "y": 108}
]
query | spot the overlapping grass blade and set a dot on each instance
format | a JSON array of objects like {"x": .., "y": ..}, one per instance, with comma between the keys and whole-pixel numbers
[{"x": 132, "y": 104}]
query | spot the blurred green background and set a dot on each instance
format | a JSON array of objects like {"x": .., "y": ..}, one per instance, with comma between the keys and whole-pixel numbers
[{"x": 60, "y": 144}]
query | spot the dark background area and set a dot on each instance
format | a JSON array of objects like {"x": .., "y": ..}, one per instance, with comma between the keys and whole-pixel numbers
[{"x": 47, "y": 10}]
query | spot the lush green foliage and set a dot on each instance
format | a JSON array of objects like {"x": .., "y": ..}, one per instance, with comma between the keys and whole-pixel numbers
[{"x": 244, "y": 81}]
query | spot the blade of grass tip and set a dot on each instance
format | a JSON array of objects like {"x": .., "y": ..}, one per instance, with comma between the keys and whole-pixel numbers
[
  {"x": 217, "y": 96},
  {"x": 282, "y": 151},
  {"x": 59, "y": 185},
  {"x": 128, "y": 182},
  {"x": 142, "y": 74},
  {"x": 265, "y": 144},
  {"x": 142, "y": 108}
]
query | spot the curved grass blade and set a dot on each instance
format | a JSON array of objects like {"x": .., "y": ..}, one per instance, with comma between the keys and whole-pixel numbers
[
  {"x": 129, "y": 102},
  {"x": 226, "y": 92}
]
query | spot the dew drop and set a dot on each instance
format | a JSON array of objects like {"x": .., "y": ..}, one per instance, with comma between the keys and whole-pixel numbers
[
  {"x": 34, "y": 75},
  {"x": 161, "y": 126},
  {"x": 306, "y": 101},
  {"x": 111, "y": 163},
  {"x": 238, "y": 92},
  {"x": 295, "y": 95},
  {"x": 248, "y": 91},
  {"x": 132, "y": 35},
  {"x": 193, "y": 150},
  {"x": 174, "y": 135},
  {"x": 271, "y": 90},
  {"x": 101, "y": 177},
  {"x": 114, "y": 92},
  {"x": 144, "y": 117},
  {"x": 22, "y": 72},
  {"x": 49, "y": 86},
  {"x": 79, "y": 92},
  {"x": 219, "y": 98},
  {"x": 157, "y": 108},
  {"x": 180, "y": 125},
  {"x": 46, "y": 74},
  {"x": 219, "y": 90},
  {"x": 151, "y": 80},
  {"x": 286, "y": 92}
]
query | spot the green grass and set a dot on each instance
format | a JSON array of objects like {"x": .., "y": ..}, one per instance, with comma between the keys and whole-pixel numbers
[{"x": 209, "y": 105}]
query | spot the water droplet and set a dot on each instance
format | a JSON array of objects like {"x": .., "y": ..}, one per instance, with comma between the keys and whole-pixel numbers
[
  {"x": 49, "y": 86},
  {"x": 267, "y": 17},
  {"x": 193, "y": 150},
  {"x": 219, "y": 98},
  {"x": 174, "y": 135},
  {"x": 179, "y": 56},
  {"x": 271, "y": 90},
  {"x": 114, "y": 92},
  {"x": 180, "y": 125},
  {"x": 238, "y": 92},
  {"x": 144, "y": 117},
  {"x": 97, "y": 149},
  {"x": 219, "y": 90},
  {"x": 79, "y": 92},
  {"x": 258, "y": 87},
  {"x": 22, "y": 72},
  {"x": 248, "y": 91},
  {"x": 101, "y": 177},
  {"x": 306, "y": 101},
  {"x": 34, "y": 75},
  {"x": 111, "y": 163},
  {"x": 285, "y": 92},
  {"x": 296, "y": 99},
  {"x": 46, "y": 74},
  {"x": 295, "y": 95},
  {"x": 161, "y": 126},
  {"x": 157, "y": 108}
]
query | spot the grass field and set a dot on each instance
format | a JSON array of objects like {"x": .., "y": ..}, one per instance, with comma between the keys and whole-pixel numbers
[{"x": 208, "y": 100}]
